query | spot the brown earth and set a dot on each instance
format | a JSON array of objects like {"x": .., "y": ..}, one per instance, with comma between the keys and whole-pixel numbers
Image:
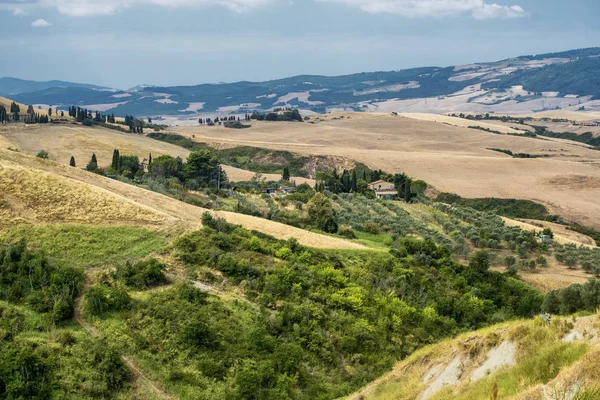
[{"x": 453, "y": 159}]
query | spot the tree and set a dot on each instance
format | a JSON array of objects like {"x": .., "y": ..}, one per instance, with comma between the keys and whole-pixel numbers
[
  {"x": 50, "y": 112},
  {"x": 204, "y": 168},
  {"x": 164, "y": 167},
  {"x": 548, "y": 232},
  {"x": 509, "y": 261},
  {"x": 93, "y": 164},
  {"x": 42, "y": 154},
  {"x": 541, "y": 261},
  {"x": 72, "y": 162},
  {"x": 3, "y": 114},
  {"x": 286, "y": 174},
  {"x": 321, "y": 213},
  {"x": 480, "y": 261},
  {"x": 116, "y": 161}
]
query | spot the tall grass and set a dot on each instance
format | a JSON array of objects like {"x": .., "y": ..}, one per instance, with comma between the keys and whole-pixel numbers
[{"x": 87, "y": 246}]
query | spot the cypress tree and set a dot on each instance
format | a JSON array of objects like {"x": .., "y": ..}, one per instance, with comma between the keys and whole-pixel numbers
[
  {"x": 150, "y": 159},
  {"x": 93, "y": 164},
  {"x": 72, "y": 162},
  {"x": 286, "y": 174},
  {"x": 116, "y": 158}
]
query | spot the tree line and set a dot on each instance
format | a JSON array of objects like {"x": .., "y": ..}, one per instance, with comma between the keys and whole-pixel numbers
[
  {"x": 200, "y": 170},
  {"x": 357, "y": 180},
  {"x": 278, "y": 114}
]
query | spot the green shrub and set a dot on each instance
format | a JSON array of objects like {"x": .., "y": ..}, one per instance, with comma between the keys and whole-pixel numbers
[{"x": 142, "y": 274}]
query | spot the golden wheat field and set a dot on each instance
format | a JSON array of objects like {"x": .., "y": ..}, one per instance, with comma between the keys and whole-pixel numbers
[
  {"x": 63, "y": 141},
  {"x": 452, "y": 159},
  {"x": 42, "y": 191}
]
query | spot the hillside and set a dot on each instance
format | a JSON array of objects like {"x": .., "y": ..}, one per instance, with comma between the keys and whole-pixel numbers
[
  {"x": 525, "y": 84},
  {"x": 119, "y": 291},
  {"x": 522, "y": 360},
  {"x": 454, "y": 159},
  {"x": 73, "y": 195}
]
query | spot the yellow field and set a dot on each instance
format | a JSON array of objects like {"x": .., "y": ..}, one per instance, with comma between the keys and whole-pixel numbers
[
  {"x": 7, "y": 102},
  {"x": 453, "y": 159},
  {"x": 64, "y": 141},
  {"x": 33, "y": 190}
]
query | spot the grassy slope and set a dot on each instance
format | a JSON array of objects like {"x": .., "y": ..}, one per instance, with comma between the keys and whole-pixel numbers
[
  {"x": 542, "y": 357},
  {"x": 169, "y": 212}
]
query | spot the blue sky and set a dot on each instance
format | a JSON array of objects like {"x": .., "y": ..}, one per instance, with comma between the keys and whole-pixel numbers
[{"x": 123, "y": 43}]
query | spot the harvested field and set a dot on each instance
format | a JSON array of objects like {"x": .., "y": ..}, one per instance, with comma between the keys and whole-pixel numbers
[
  {"x": 62, "y": 142},
  {"x": 36, "y": 196},
  {"x": 111, "y": 196},
  {"x": 453, "y": 159}
]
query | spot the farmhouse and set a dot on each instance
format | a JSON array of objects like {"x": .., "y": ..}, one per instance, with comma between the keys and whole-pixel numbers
[{"x": 383, "y": 190}]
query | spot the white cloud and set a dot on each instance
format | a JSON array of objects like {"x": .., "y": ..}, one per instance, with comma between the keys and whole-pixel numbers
[
  {"x": 19, "y": 12},
  {"x": 477, "y": 9},
  {"x": 496, "y": 11},
  {"x": 40, "y": 23},
  {"x": 85, "y": 8}
]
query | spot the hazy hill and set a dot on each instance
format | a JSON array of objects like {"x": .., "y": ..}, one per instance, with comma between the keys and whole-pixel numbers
[
  {"x": 521, "y": 84},
  {"x": 11, "y": 86}
]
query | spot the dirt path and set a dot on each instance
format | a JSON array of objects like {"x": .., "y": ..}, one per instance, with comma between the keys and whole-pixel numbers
[{"x": 137, "y": 372}]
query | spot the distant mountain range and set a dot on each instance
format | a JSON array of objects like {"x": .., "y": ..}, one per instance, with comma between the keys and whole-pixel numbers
[{"x": 566, "y": 80}]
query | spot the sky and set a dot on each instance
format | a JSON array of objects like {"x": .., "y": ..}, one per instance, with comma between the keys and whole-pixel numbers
[{"x": 124, "y": 43}]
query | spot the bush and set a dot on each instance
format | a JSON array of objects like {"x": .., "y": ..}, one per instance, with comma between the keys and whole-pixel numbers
[
  {"x": 42, "y": 154},
  {"x": 347, "y": 232},
  {"x": 371, "y": 227},
  {"x": 142, "y": 274},
  {"x": 103, "y": 299},
  {"x": 321, "y": 213}
]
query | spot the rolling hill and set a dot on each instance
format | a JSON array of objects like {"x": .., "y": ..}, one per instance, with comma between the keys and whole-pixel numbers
[{"x": 566, "y": 80}]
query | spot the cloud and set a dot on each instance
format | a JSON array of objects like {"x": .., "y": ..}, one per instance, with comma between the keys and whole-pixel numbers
[
  {"x": 86, "y": 8},
  {"x": 477, "y": 9},
  {"x": 40, "y": 23},
  {"x": 19, "y": 12},
  {"x": 496, "y": 11}
]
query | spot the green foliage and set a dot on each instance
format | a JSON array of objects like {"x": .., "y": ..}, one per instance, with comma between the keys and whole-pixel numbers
[
  {"x": 84, "y": 246},
  {"x": 42, "y": 154},
  {"x": 102, "y": 299},
  {"x": 574, "y": 298},
  {"x": 321, "y": 213},
  {"x": 24, "y": 374},
  {"x": 303, "y": 193},
  {"x": 246, "y": 157},
  {"x": 28, "y": 278},
  {"x": 511, "y": 208},
  {"x": 142, "y": 274},
  {"x": 93, "y": 164},
  {"x": 361, "y": 299}
]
